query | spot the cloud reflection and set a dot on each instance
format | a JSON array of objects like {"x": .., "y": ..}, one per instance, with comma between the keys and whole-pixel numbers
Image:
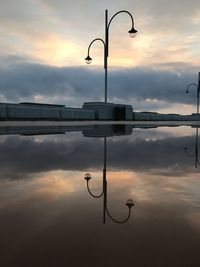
[{"x": 162, "y": 155}]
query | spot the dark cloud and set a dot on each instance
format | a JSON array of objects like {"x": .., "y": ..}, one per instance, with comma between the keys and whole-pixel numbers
[{"x": 72, "y": 85}]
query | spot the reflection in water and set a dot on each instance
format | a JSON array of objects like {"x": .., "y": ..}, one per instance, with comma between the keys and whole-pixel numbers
[
  {"x": 48, "y": 219},
  {"x": 196, "y": 150},
  {"x": 90, "y": 130},
  {"x": 129, "y": 202}
]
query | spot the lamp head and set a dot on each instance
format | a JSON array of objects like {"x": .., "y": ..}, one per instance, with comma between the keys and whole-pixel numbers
[
  {"x": 88, "y": 59},
  {"x": 87, "y": 177},
  {"x": 133, "y": 32},
  {"x": 129, "y": 203}
]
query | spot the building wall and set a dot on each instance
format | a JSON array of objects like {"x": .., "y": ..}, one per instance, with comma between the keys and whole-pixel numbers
[{"x": 43, "y": 112}]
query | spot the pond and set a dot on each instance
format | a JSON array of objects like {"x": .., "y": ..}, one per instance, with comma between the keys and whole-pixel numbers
[{"x": 49, "y": 218}]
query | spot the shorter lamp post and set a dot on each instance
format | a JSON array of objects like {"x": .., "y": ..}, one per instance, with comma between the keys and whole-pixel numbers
[
  {"x": 196, "y": 150},
  {"x": 129, "y": 202},
  {"x": 197, "y": 85}
]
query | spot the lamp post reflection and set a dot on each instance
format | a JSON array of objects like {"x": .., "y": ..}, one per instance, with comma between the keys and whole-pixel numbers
[
  {"x": 103, "y": 194},
  {"x": 197, "y": 85},
  {"x": 195, "y": 154}
]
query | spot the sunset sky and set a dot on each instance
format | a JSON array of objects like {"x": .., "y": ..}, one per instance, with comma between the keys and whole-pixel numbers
[{"x": 44, "y": 43}]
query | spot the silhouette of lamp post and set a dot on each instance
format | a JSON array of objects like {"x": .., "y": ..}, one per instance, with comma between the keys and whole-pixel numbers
[
  {"x": 132, "y": 34},
  {"x": 196, "y": 150},
  {"x": 129, "y": 202},
  {"x": 197, "y": 85}
]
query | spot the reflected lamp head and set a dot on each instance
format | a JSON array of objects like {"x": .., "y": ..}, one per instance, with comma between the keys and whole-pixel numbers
[
  {"x": 87, "y": 177},
  {"x": 129, "y": 203}
]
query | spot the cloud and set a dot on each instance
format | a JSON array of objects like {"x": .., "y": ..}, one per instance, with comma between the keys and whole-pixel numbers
[
  {"x": 43, "y": 29},
  {"x": 170, "y": 13},
  {"x": 21, "y": 80}
]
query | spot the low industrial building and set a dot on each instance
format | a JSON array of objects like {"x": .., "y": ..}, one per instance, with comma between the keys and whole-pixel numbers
[{"x": 90, "y": 111}]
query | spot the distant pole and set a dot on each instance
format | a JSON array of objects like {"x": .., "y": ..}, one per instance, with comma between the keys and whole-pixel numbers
[{"x": 197, "y": 85}]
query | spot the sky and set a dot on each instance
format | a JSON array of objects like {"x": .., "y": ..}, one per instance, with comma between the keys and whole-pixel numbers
[{"x": 43, "y": 44}]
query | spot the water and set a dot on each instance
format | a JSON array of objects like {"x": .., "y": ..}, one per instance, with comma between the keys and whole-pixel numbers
[{"x": 48, "y": 217}]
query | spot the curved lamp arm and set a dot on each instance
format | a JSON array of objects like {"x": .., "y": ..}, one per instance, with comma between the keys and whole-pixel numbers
[
  {"x": 197, "y": 162},
  {"x": 129, "y": 204},
  {"x": 121, "y": 221},
  {"x": 196, "y": 155},
  {"x": 190, "y": 85},
  {"x": 198, "y": 91},
  {"x": 88, "y": 59},
  {"x": 132, "y": 31},
  {"x": 95, "y": 196},
  {"x": 122, "y": 11},
  {"x": 88, "y": 178},
  {"x": 187, "y": 154}
]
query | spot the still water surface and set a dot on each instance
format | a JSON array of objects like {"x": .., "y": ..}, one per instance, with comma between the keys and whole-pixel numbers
[{"x": 48, "y": 217}]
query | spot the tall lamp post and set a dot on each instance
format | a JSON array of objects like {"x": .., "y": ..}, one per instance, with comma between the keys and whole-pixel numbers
[
  {"x": 197, "y": 85},
  {"x": 129, "y": 202},
  {"x": 132, "y": 34}
]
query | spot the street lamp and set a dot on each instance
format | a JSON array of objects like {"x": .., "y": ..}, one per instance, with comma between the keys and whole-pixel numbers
[
  {"x": 132, "y": 34},
  {"x": 129, "y": 202},
  {"x": 196, "y": 150},
  {"x": 197, "y": 85}
]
